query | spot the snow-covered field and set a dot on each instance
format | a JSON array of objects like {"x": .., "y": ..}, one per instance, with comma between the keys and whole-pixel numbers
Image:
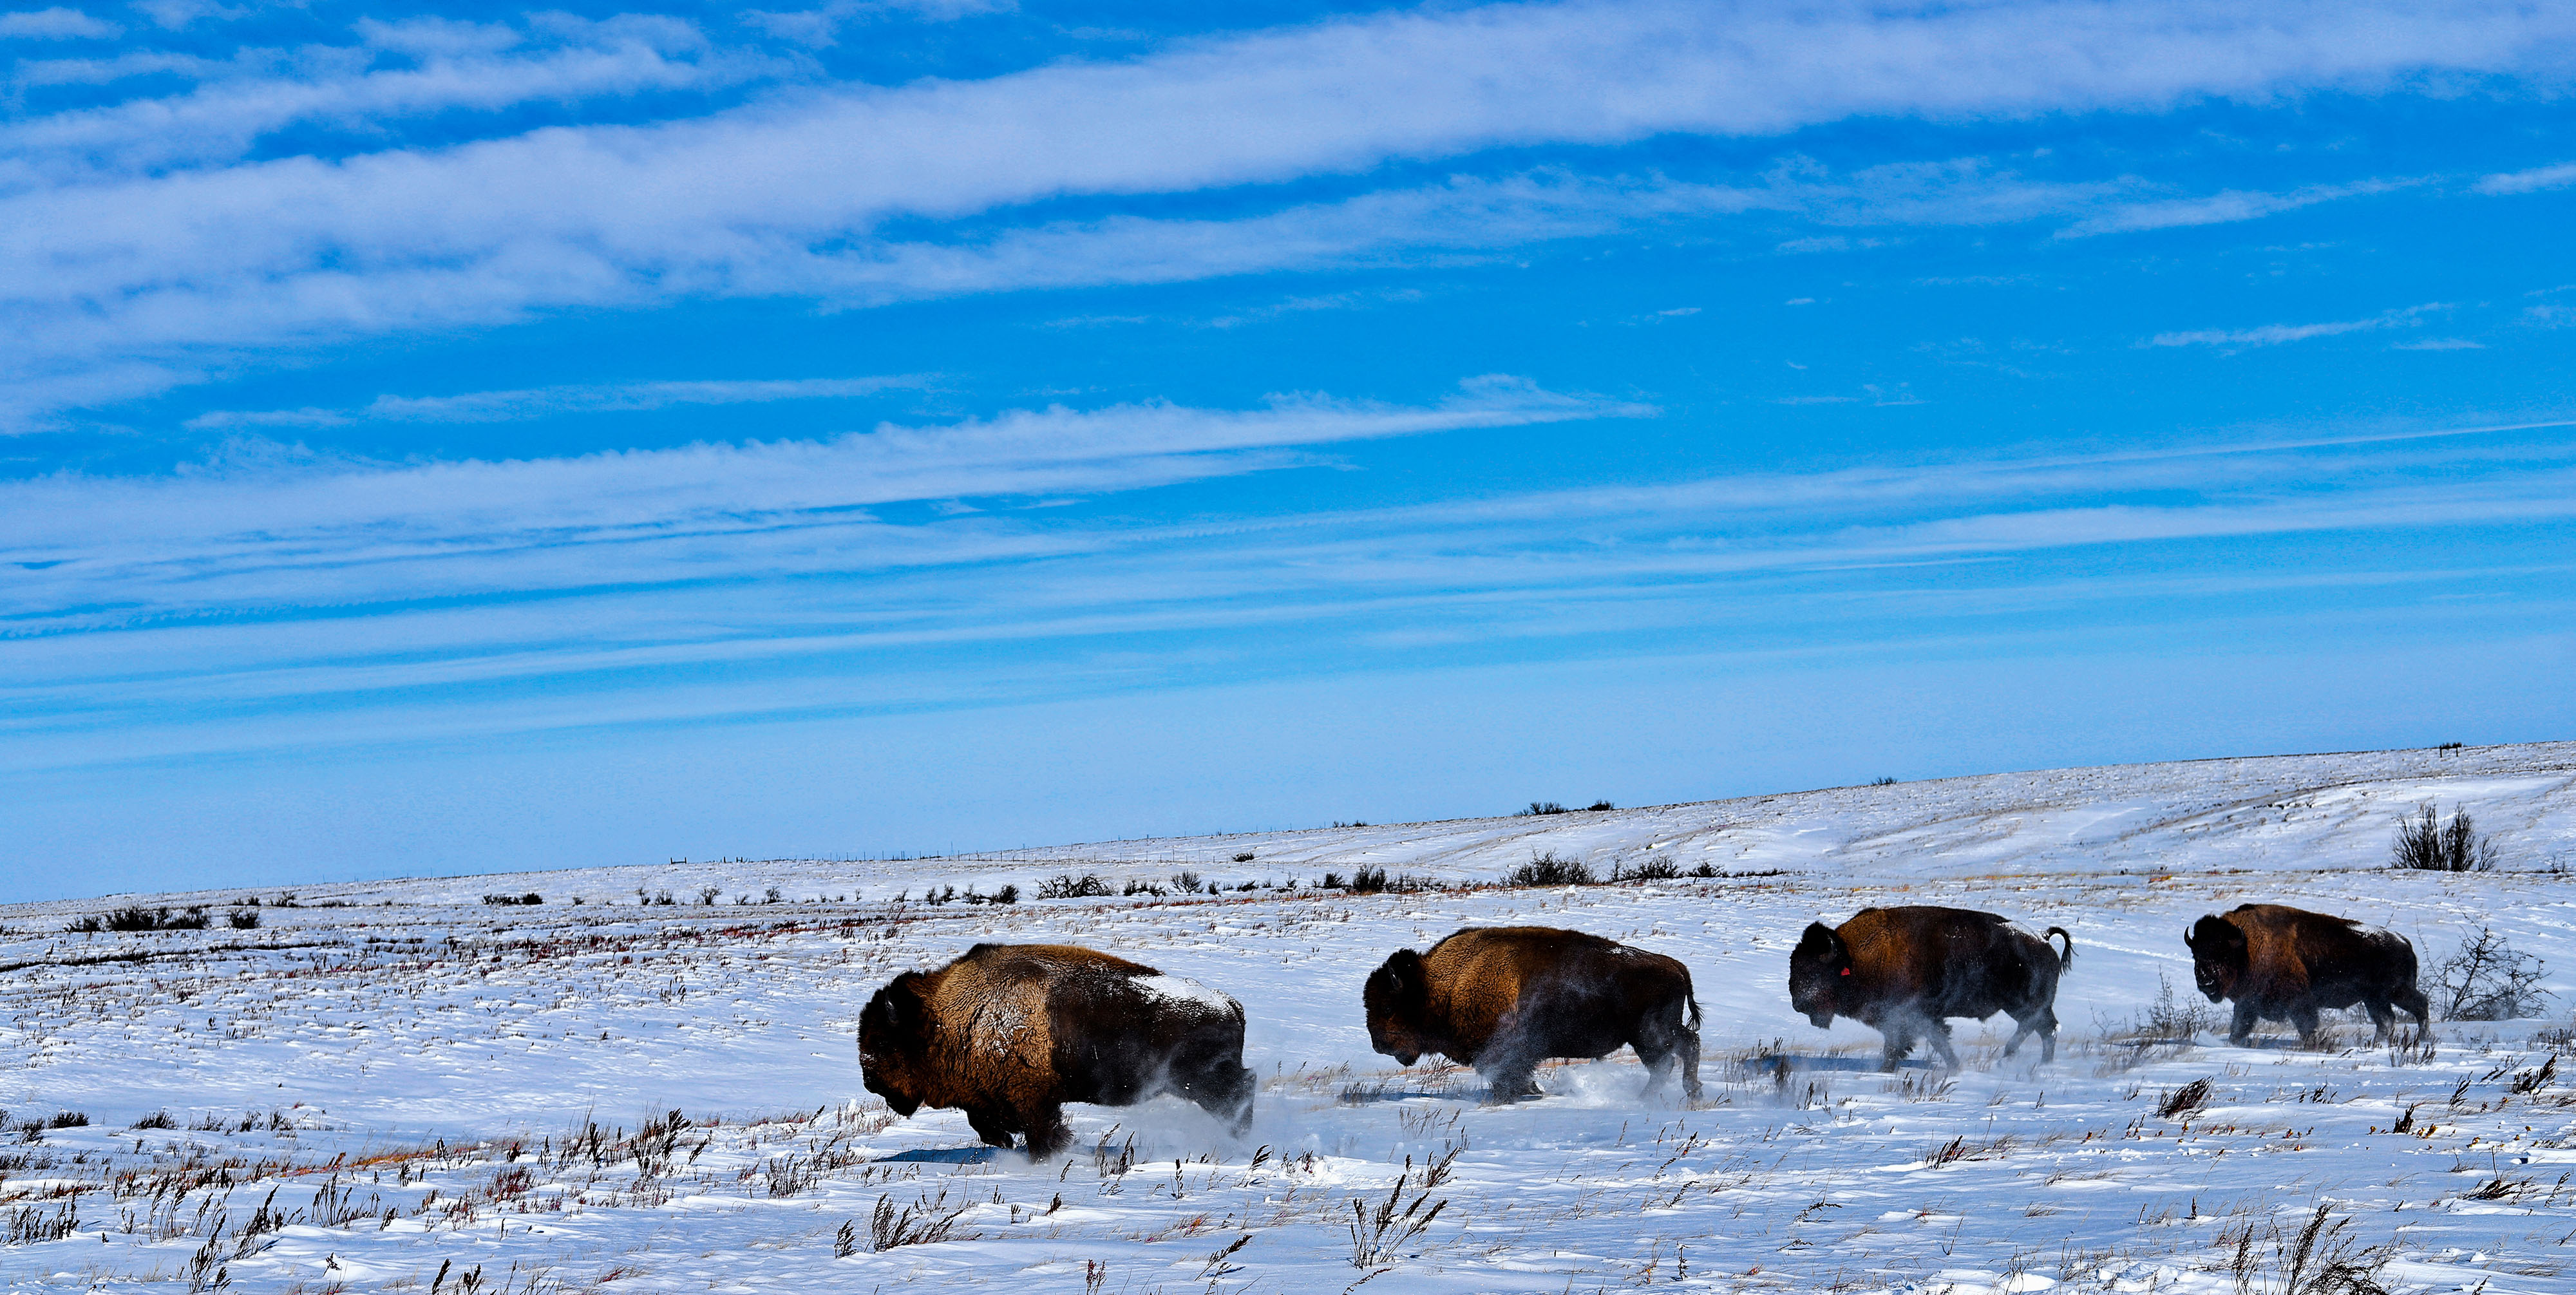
[{"x": 394, "y": 1086}]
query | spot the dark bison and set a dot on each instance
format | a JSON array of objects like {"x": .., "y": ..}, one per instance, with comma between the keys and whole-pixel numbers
[
  {"x": 1503, "y": 999},
  {"x": 2288, "y": 963},
  {"x": 1011, "y": 1032},
  {"x": 1903, "y": 971}
]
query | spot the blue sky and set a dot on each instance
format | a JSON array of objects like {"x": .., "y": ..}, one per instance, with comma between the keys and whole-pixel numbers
[{"x": 463, "y": 440}]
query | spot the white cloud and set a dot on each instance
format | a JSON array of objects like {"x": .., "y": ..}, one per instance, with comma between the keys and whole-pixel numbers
[
  {"x": 539, "y": 402},
  {"x": 305, "y": 417},
  {"x": 470, "y": 268},
  {"x": 821, "y": 27},
  {"x": 2221, "y": 208},
  {"x": 173, "y": 272},
  {"x": 2280, "y": 334},
  {"x": 451, "y": 65},
  {"x": 767, "y": 556},
  {"x": 57, "y": 23},
  {"x": 280, "y": 530},
  {"x": 2531, "y": 181},
  {"x": 175, "y": 14}
]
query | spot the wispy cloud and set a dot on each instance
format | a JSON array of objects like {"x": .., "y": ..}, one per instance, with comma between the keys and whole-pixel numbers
[
  {"x": 57, "y": 23},
  {"x": 540, "y": 402},
  {"x": 400, "y": 591},
  {"x": 395, "y": 71},
  {"x": 821, "y": 26},
  {"x": 279, "y": 532},
  {"x": 1300, "y": 305},
  {"x": 2224, "y": 207},
  {"x": 119, "y": 274},
  {"x": 2282, "y": 334},
  {"x": 2531, "y": 181}
]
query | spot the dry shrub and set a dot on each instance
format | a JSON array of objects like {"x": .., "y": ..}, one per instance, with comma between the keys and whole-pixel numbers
[
  {"x": 2184, "y": 1100},
  {"x": 2487, "y": 980},
  {"x": 1068, "y": 886},
  {"x": 2427, "y": 844},
  {"x": 1548, "y": 870}
]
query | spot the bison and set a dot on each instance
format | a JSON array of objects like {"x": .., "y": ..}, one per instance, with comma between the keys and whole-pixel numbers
[
  {"x": 2288, "y": 963},
  {"x": 1010, "y": 1032},
  {"x": 1503, "y": 999},
  {"x": 1903, "y": 971}
]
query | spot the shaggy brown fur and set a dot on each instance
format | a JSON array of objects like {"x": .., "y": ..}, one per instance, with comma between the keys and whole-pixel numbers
[
  {"x": 1904, "y": 970},
  {"x": 2287, "y": 964},
  {"x": 1011, "y": 1032},
  {"x": 1504, "y": 999}
]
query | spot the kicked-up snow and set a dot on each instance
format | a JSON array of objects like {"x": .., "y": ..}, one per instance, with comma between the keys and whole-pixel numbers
[{"x": 394, "y": 1086}]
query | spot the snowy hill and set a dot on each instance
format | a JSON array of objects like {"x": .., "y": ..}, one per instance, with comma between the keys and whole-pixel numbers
[
  {"x": 391, "y": 1081},
  {"x": 2299, "y": 812}
]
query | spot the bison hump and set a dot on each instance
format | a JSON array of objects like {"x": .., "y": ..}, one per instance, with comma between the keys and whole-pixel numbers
[{"x": 1189, "y": 995}]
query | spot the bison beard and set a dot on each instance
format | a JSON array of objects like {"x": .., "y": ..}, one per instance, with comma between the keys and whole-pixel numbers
[
  {"x": 2287, "y": 963},
  {"x": 1503, "y": 1000},
  {"x": 1009, "y": 1033},
  {"x": 1906, "y": 970}
]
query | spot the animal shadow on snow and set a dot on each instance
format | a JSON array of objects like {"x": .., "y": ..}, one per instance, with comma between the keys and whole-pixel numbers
[
  {"x": 1773, "y": 1065},
  {"x": 1364, "y": 1096}
]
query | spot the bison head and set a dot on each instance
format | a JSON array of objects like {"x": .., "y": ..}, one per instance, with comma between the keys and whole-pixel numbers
[
  {"x": 894, "y": 1043},
  {"x": 1398, "y": 997},
  {"x": 1816, "y": 971},
  {"x": 2218, "y": 955}
]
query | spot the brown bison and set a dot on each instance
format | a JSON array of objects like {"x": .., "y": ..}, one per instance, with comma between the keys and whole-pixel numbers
[
  {"x": 1011, "y": 1032},
  {"x": 1903, "y": 971},
  {"x": 1503, "y": 999},
  {"x": 2288, "y": 963}
]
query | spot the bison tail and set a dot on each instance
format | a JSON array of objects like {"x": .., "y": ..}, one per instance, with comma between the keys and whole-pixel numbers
[
  {"x": 2067, "y": 958},
  {"x": 1693, "y": 1000}
]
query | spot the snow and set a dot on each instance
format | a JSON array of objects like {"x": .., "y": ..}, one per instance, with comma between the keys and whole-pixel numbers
[
  {"x": 418, "y": 1071},
  {"x": 1173, "y": 989}
]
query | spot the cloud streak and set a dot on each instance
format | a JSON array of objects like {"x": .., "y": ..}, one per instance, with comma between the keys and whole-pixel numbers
[
  {"x": 396, "y": 72},
  {"x": 57, "y": 23},
  {"x": 542, "y": 402},
  {"x": 2283, "y": 334},
  {"x": 409, "y": 593},
  {"x": 2222, "y": 208},
  {"x": 2535, "y": 180},
  {"x": 275, "y": 534},
  {"x": 122, "y": 277}
]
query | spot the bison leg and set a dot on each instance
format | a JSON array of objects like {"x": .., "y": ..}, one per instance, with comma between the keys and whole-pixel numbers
[
  {"x": 2042, "y": 1023},
  {"x": 2411, "y": 1001},
  {"x": 1664, "y": 1042},
  {"x": 1659, "y": 1061},
  {"x": 1507, "y": 1064},
  {"x": 989, "y": 1124},
  {"x": 1899, "y": 1037},
  {"x": 2304, "y": 1016},
  {"x": 2381, "y": 1017},
  {"x": 1940, "y": 1036},
  {"x": 2241, "y": 1031},
  {"x": 2013, "y": 1044},
  {"x": 1048, "y": 1133},
  {"x": 1505, "y": 1084}
]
